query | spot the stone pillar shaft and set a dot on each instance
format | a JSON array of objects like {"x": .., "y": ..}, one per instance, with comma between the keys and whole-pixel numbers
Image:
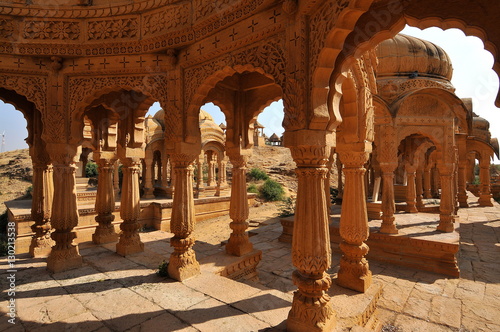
[
  {"x": 311, "y": 254},
  {"x": 149, "y": 183},
  {"x": 183, "y": 263},
  {"x": 427, "y": 183},
  {"x": 64, "y": 254},
  {"x": 130, "y": 241},
  {"x": 239, "y": 243},
  {"x": 484, "y": 177},
  {"x": 411, "y": 191},
  {"x": 388, "y": 201},
  {"x": 105, "y": 203},
  {"x": 354, "y": 272},
  {"x": 446, "y": 207},
  {"x": 41, "y": 206},
  {"x": 419, "y": 178}
]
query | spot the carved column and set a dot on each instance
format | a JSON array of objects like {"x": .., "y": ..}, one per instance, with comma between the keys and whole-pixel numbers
[
  {"x": 199, "y": 177},
  {"x": 427, "y": 182},
  {"x": 149, "y": 184},
  {"x": 388, "y": 202},
  {"x": 223, "y": 172},
  {"x": 238, "y": 243},
  {"x": 183, "y": 263},
  {"x": 130, "y": 242},
  {"x": 484, "y": 177},
  {"x": 419, "y": 188},
  {"x": 446, "y": 207},
  {"x": 354, "y": 272},
  {"x": 411, "y": 191},
  {"x": 105, "y": 202},
  {"x": 41, "y": 206},
  {"x": 116, "y": 178},
  {"x": 164, "y": 174},
  {"x": 311, "y": 252},
  {"x": 210, "y": 163},
  {"x": 64, "y": 254},
  {"x": 171, "y": 188}
]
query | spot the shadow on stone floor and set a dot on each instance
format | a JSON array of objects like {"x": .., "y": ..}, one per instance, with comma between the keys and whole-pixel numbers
[{"x": 199, "y": 316}]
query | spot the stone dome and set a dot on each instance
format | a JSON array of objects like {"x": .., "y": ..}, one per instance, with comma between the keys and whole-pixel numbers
[
  {"x": 409, "y": 56},
  {"x": 480, "y": 123},
  {"x": 160, "y": 117}
]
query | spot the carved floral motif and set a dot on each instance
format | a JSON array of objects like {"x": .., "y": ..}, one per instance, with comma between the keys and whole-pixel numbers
[
  {"x": 6, "y": 28},
  {"x": 115, "y": 29},
  {"x": 173, "y": 18},
  {"x": 60, "y": 30}
]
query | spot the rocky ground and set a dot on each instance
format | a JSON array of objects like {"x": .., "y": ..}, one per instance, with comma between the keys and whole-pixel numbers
[{"x": 15, "y": 175}]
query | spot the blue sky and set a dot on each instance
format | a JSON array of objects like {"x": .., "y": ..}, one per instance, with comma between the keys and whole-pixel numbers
[{"x": 472, "y": 77}]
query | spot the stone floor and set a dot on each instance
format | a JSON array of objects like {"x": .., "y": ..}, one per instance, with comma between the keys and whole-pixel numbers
[{"x": 112, "y": 293}]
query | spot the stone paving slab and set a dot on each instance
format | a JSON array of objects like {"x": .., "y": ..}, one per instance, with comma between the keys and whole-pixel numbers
[{"x": 114, "y": 293}]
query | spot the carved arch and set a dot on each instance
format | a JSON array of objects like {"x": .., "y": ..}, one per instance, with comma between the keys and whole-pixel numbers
[
  {"x": 365, "y": 29},
  {"x": 84, "y": 91},
  {"x": 455, "y": 104}
]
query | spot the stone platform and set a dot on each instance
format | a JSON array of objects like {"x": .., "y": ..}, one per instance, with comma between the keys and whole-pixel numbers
[
  {"x": 114, "y": 293},
  {"x": 155, "y": 214},
  {"x": 417, "y": 245}
]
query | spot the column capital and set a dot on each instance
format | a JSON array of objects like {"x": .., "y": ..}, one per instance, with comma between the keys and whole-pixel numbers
[{"x": 353, "y": 158}]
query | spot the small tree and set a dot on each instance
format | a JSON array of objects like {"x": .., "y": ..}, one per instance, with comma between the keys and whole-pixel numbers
[
  {"x": 91, "y": 169},
  {"x": 271, "y": 191},
  {"x": 258, "y": 174}
]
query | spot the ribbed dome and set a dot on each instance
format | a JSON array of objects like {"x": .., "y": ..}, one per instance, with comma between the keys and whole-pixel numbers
[{"x": 406, "y": 55}]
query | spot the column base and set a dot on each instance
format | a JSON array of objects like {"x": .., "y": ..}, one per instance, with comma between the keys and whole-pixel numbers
[
  {"x": 104, "y": 237},
  {"x": 388, "y": 226},
  {"x": 183, "y": 266},
  {"x": 485, "y": 200},
  {"x": 41, "y": 247},
  {"x": 148, "y": 193},
  {"x": 411, "y": 209},
  {"x": 238, "y": 249},
  {"x": 347, "y": 278},
  {"x": 311, "y": 316},
  {"x": 446, "y": 223},
  {"x": 64, "y": 259},
  {"x": 124, "y": 249}
]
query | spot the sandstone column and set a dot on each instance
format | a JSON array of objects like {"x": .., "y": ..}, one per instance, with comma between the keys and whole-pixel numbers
[
  {"x": 311, "y": 251},
  {"x": 388, "y": 202},
  {"x": 419, "y": 178},
  {"x": 171, "y": 188},
  {"x": 211, "y": 175},
  {"x": 427, "y": 182},
  {"x": 223, "y": 172},
  {"x": 199, "y": 178},
  {"x": 41, "y": 206},
  {"x": 64, "y": 254},
  {"x": 149, "y": 185},
  {"x": 105, "y": 200},
  {"x": 116, "y": 178},
  {"x": 183, "y": 263},
  {"x": 354, "y": 272},
  {"x": 484, "y": 177},
  {"x": 446, "y": 207},
  {"x": 130, "y": 242},
  {"x": 411, "y": 192},
  {"x": 238, "y": 243}
]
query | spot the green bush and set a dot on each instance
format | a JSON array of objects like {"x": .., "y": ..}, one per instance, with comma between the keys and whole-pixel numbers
[
  {"x": 163, "y": 269},
  {"x": 252, "y": 188},
  {"x": 258, "y": 174},
  {"x": 91, "y": 169},
  {"x": 286, "y": 207},
  {"x": 271, "y": 191}
]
